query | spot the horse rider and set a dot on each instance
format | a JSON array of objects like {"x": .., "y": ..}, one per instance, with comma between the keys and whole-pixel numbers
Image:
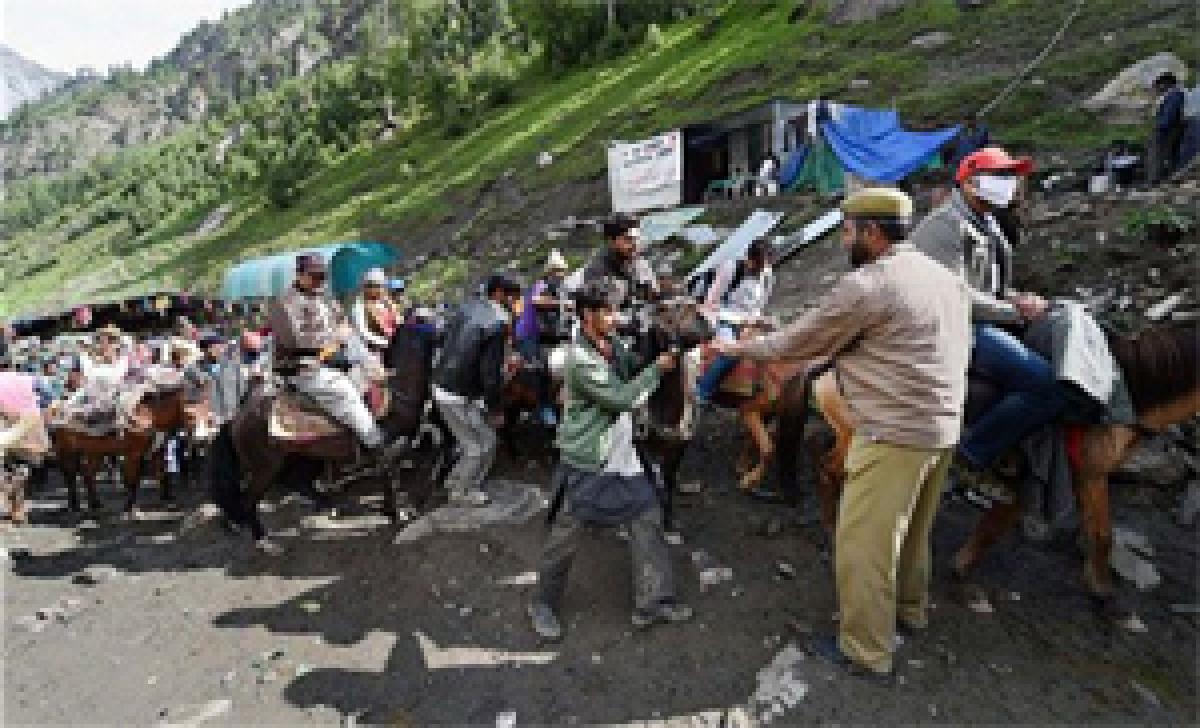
[
  {"x": 897, "y": 328},
  {"x": 373, "y": 315},
  {"x": 603, "y": 481},
  {"x": 964, "y": 235},
  {"x": 735, "y": 299},
  {"x": 542, "y": 318},
  {"x": 308, "y": 331},
  {"x": 620, "y": 264},
  {"x": 467, "y": 384}
]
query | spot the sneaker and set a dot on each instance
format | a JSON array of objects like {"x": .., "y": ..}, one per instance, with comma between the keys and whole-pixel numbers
[
  {"x": 670, "y": 612},
  {"x": 545, "y": 622},
  {"x": 470, "y": 498},
  {"x": 827, "y": 647}
]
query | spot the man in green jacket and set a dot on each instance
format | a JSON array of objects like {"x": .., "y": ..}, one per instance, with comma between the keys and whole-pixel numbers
[{"x": 603, "y": 480}]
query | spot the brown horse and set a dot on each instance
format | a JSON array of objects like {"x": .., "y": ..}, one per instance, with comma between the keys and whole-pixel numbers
[
  {"x": 245, "y": 449},
  {"x": 81, "y": 453},
  {"x": 1162, "y": 370}
]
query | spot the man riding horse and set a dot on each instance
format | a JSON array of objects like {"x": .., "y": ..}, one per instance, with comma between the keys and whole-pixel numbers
[
  {"x": 308, "y": 330},
  {"x": 965, "y": 235}
]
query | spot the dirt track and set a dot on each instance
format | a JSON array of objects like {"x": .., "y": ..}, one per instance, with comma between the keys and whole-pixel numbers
[{"x": 349, "y": 623}]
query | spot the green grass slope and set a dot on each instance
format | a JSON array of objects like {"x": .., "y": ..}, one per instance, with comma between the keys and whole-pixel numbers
[{"x": 691, "y": 71}]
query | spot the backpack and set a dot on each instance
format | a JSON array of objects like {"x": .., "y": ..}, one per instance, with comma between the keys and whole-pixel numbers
[{"x": 700, "y": 284}]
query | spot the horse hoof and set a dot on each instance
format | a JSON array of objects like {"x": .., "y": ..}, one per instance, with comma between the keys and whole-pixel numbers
[{"x": 268, "y": 547}]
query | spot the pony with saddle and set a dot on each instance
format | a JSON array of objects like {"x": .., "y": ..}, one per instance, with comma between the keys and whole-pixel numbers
[
  {"x": 150, "y": 408},
  {"x": 275, "y": 427},
  {"x": 1161, "y": 369}
]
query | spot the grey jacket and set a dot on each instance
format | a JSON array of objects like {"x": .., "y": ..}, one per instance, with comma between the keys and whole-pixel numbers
[{"x": 958, "y": 238}]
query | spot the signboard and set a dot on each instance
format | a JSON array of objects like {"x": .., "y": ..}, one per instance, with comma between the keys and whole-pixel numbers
[{"x": 647, "y": 174}]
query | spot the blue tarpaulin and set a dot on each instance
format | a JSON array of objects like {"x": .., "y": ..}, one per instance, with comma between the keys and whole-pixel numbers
[
  {"x": 791, "y": 167},
  {"x": 871, "y": 143},
  {"x": 270, "y": 276}
]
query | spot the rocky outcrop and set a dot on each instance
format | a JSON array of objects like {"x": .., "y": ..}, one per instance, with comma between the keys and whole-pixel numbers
[
  {"x": 23, "y": 80},
  {"x": 1127, "y": 98}
]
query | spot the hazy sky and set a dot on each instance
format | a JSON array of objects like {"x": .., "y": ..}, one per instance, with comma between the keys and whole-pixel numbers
[{"x": 66, "y": 34}]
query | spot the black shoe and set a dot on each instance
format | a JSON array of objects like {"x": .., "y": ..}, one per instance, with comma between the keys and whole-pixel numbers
[{"x": 827, "y": 647}]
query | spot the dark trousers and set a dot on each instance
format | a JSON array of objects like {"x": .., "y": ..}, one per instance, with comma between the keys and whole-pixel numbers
[{"x": 652, "y": 579}]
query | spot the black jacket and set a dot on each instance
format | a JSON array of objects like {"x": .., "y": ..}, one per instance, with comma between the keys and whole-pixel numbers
[{"x": 473, "y": 350}]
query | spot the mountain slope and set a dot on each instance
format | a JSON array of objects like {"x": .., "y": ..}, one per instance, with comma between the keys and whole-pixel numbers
[
  {"x": 22, "y": 80},
  {"x": 478, "y": 199},
  {"x": 215, "y": 66}
]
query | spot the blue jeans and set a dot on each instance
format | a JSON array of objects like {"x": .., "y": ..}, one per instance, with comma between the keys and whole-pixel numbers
[
  {"x": 1032, "y": 395},
  {"x": 710, "y": 382}
]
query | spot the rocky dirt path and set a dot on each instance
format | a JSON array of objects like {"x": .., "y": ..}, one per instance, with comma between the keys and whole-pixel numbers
[{"x": 151, "y": 624}]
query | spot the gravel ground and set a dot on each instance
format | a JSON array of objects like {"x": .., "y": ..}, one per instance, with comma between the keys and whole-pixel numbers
[{"x": 190, "y": 626}]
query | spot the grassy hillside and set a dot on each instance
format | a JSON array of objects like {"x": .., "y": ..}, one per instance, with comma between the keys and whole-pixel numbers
[{"x": 406, "y": 189}]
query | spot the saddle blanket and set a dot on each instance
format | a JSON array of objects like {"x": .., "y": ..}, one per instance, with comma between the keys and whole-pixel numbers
[{"x": 297, "y": 419}]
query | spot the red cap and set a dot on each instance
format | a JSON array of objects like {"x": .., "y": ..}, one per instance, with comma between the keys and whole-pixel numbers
[{"x": 992, "y": 159}]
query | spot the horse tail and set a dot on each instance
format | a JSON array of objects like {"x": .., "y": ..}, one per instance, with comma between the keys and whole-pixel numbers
[
  {"x": 225, "y": 476},
  {"x": 793, "y": 419}
]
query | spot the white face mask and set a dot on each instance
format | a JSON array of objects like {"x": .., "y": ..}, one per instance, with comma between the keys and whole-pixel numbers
[{"x": 996, "y": 191}]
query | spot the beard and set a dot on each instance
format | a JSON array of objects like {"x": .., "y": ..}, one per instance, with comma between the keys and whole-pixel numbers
[{"x": 859, "y": 254}]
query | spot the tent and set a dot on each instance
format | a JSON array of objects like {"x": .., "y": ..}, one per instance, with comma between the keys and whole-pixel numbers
[
  {"x": 869, "y": 143},
  {"x": 271, "y": 275}
]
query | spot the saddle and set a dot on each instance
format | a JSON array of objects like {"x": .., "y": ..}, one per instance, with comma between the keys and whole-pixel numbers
[{"x": 295, "y": 417}]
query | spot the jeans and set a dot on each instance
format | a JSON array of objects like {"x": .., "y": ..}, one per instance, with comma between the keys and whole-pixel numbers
[
  {"x": 1032, "y": 395},
  {"x": 721, "y": 367}
]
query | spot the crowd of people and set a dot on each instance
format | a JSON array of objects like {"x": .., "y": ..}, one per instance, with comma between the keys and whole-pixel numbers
[{"x": 923, "y": 299}]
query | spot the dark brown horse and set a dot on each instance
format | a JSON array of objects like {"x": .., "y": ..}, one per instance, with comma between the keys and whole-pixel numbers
[
  {"x": 1162, "y": 370},
  {"x": 245, "y": 451},
  {"x": 81, "y": 453},
  {"x": 674, "y": 325}
]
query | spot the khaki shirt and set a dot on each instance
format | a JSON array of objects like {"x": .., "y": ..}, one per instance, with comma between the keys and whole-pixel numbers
[
  {"x": 303, "y": 324},
  {"x": 899, "y": 329}
]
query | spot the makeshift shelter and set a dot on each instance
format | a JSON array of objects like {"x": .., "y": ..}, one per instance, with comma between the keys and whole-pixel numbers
[
  {"x": 271, "y": 275},
  {"x": 869, "y": 143}
]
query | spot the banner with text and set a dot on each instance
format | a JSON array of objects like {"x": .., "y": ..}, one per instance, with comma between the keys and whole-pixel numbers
[{"x": 646, "y": 175}]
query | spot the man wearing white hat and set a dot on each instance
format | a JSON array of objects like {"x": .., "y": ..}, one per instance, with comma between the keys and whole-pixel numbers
[
  {"x": 373, "y": 315},
  {"x": 541, "y": 317}
]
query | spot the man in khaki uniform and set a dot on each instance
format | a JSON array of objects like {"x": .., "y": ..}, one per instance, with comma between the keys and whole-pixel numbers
[
  {"x": 308, "y": 328},
  {"x": 899, "y": 328}
]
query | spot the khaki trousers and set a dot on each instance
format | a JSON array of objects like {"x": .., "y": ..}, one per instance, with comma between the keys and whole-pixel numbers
[{"x": 881, "y": 546}]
